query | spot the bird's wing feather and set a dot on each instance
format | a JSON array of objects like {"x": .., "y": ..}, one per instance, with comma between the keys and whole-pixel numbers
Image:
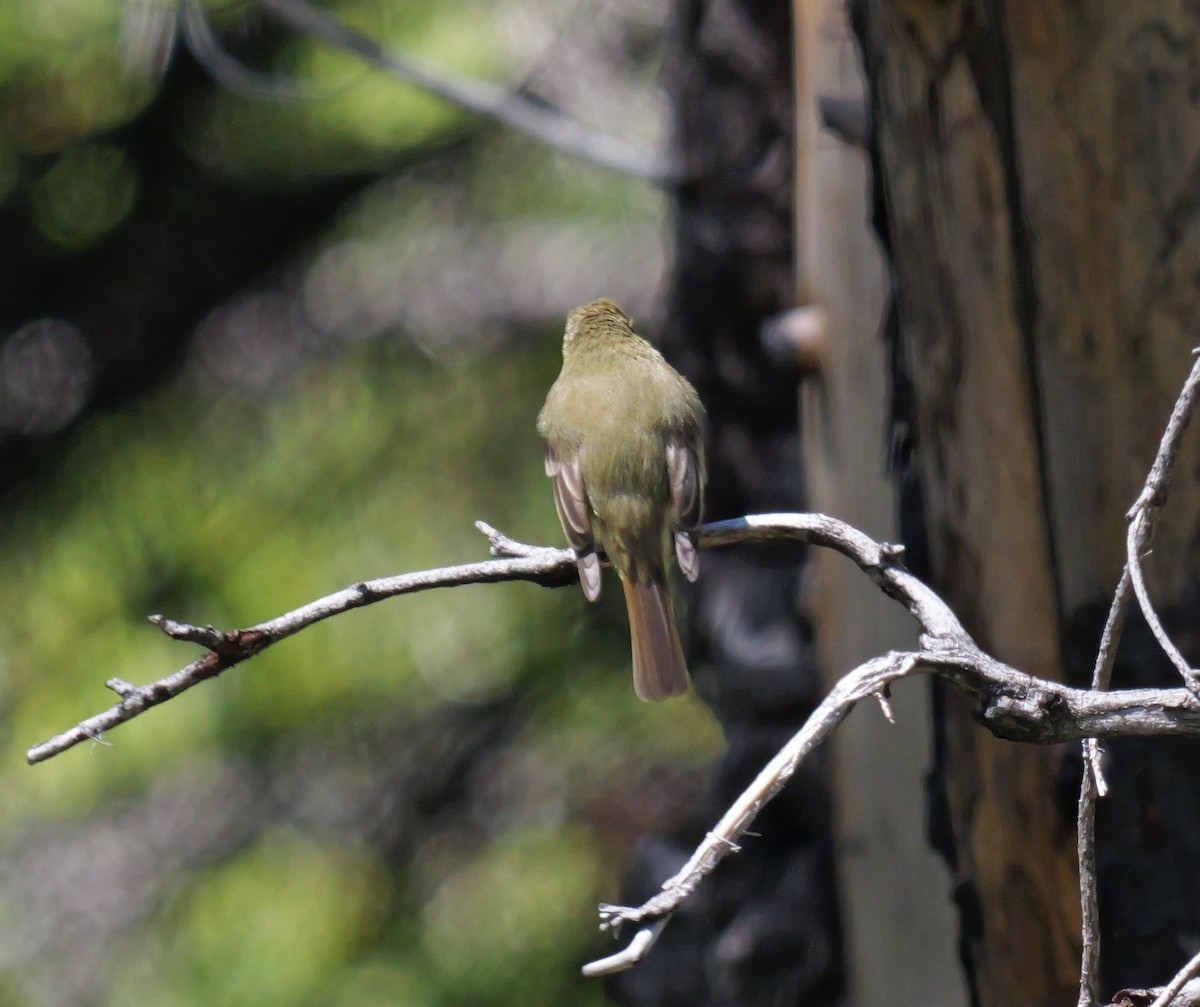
[
  {"x": 683, "y": 468},
  {"x": 575, "y": 516},
  {"x": 685, "y": 476}
]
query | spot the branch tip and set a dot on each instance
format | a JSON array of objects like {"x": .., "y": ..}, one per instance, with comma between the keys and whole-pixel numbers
[
  {"x": 633, "y": 953},
  {"x": 882, "y": 697},
  {"x": 207, "y": 636},
  {"x": 503, "y": 547}
]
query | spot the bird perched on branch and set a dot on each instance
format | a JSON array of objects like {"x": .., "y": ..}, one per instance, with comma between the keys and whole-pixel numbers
[{"x": 622, "y": 430}]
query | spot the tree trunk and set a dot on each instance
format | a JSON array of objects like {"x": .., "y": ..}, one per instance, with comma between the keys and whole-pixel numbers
[
  {"x": 1039, "y": 171},
  {"x": 764, "y": 930}
]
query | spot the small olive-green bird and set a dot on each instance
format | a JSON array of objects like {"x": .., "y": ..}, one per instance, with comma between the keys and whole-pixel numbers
[{"x": 622, "y": 430}]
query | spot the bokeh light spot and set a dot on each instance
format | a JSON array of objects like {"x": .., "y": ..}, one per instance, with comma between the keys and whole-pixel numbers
[
  {"x": 254, "y": 341},
  {"x": 87, "y": 192},
  {"x": 46, "y": 373}
]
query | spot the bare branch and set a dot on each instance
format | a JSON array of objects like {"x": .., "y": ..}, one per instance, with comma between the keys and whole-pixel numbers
[
  {"x": 227, "y": 648},
  {"x": 631, "y": 954},
  {"x": 866, "y": 680},
  {"x": 1092, "y": 787},
  {"x": 1013, "y": 705},
  {"x": 538, "y": 120},
  {"x": 1141, "y": 517},
  {"x": 1176, "y": 985},
  {"x": 1141, "y": 529}
]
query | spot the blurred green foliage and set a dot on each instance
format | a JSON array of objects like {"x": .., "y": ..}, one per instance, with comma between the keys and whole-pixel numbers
[
  {"x": 415, "y": 803},
  {"x": 234, "y": 508},
  {"x": 353, "y": 116}
]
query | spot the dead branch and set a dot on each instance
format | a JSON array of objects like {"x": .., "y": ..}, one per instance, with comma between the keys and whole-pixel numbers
[
  {"x": 1141, "y": 518},
  {"x": 1142, "y": 514},
  {"x": 1012, "y": 704},
  {"x": 1170, "y": 993},
  {"x": 228, "y": 648}
]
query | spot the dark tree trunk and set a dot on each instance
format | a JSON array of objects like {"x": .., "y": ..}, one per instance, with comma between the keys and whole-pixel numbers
[{"x": 765, "y": 930}]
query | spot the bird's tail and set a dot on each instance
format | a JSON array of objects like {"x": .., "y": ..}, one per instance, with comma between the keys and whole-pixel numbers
[{"x": 659, "y": 670}]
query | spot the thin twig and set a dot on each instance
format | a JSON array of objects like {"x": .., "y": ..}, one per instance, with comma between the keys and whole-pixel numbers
[
  {"x": 1141, "y": 529},
  {"x": 866, "y": 680},
  {"x": 541, "y": 121},
  {"x": 1182, "y": 978},
  {"x": 227, "y": 648},
  {"x": 631, "y": 954},
  {"x": 1141, "y": 518},
  {"x": 1092, "y": 787}
]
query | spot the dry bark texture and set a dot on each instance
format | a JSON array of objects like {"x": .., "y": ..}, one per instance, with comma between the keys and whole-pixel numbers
[{"x": 1039, "y": 171}]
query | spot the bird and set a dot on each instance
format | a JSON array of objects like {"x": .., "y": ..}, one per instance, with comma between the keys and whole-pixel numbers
[{"x": 625, "y": 453}]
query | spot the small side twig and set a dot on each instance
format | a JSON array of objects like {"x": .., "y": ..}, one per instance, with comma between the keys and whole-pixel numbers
[
  {"x": 631, "y": 954},
  {"x": 206, "y": 636},
  {"x": 503, "y": 547}
]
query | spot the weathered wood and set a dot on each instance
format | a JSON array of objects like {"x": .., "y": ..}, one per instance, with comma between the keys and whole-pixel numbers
[
  {"x": 895, "y": 890},
  {"x": 1040, "y": 171}
]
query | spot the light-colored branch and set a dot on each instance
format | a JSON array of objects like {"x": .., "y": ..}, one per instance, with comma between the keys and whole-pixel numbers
[
  {"x": 227, "y": 648},
  {"x": 868, "y": 679},
  {"x": 1144, "y": 510},
  {"x": 1141, "y": 529},
  {"x": 1092, "y": 787},
  {"x": 1176, "y": 986},
  {"x": 549, "y": 125},
  {"x": 1012, "y": 704},
  {"x": 631, "y": 954}
]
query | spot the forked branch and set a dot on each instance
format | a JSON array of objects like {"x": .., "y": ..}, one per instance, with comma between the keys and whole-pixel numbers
[{"x": 1010, "y": 703}]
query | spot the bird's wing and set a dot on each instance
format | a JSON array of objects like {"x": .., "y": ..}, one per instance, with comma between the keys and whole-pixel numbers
[
  {"x": 571, "y": 502},
  {"x": 686, "y": 479}
]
